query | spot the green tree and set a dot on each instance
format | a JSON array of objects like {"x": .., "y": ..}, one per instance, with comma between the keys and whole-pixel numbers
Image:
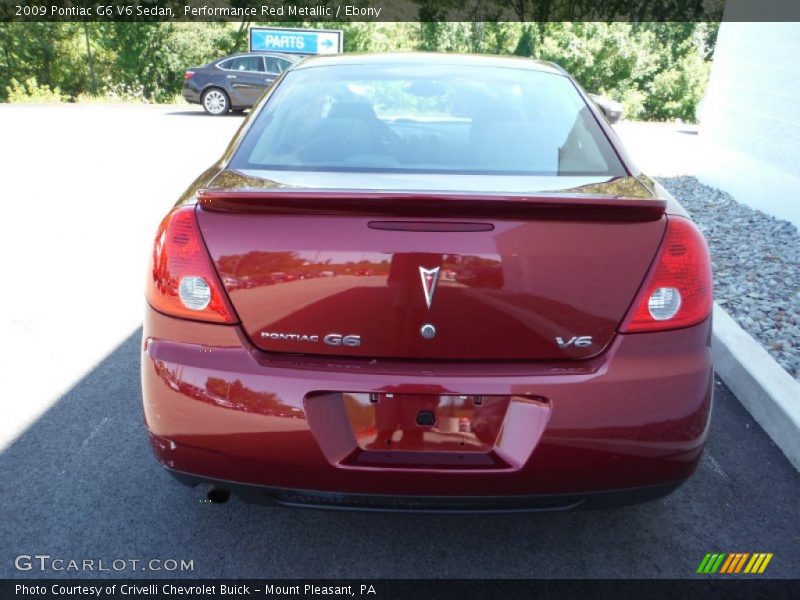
[{"x": 658, "y": 70}]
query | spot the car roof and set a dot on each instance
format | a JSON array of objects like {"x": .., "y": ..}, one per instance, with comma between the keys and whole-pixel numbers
[
  {"x": 292, "y": 57},
  {"x": 431, "y": 58}
]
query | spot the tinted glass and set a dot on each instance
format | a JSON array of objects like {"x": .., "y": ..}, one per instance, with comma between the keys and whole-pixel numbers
[
  {"x": 450, "y": 119},
  {"x": 276, "y": 65},
  {"x": 247, "y": 63}
]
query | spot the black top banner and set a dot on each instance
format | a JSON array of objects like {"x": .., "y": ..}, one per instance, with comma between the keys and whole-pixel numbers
[{"x": 320, "y": 11}]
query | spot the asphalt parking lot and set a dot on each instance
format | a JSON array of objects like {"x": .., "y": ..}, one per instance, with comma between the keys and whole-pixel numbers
[{"x": 84, "y": 188}]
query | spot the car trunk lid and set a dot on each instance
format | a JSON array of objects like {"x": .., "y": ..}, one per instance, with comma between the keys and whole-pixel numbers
[{"x": 387, "y": 275}]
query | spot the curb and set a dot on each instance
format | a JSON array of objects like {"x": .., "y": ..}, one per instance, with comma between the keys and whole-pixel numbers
[{"x": 764, "y": 388}]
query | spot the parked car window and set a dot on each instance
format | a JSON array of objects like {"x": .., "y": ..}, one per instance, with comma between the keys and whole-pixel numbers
[
  {"x": 225, "y": 64},
  {"x": 449, "y": 119},
  {"x": 276, "y": 65},
  {"x": 247, "y": 63}
]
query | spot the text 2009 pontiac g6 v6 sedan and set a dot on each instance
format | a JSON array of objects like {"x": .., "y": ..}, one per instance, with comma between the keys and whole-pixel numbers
[{"x": 428, "y": 282}]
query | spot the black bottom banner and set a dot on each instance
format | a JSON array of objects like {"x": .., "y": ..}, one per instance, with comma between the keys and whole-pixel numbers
[{"x": 400, "y": 589}]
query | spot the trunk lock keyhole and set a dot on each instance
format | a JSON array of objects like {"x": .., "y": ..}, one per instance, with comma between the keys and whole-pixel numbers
[{"x": 428, "y": 331}]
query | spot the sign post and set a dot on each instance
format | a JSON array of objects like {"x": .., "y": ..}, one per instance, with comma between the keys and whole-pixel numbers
[{"x": 296, "y": 41}]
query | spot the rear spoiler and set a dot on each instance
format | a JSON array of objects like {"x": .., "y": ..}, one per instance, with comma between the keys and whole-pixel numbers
[{"x": 432, "y": 204}]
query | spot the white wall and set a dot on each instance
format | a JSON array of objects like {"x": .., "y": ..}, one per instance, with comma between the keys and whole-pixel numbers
[{"x": 750, "y": 117}]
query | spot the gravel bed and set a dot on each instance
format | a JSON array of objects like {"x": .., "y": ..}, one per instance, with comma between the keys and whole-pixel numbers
[{"x": 756, "y": 261}]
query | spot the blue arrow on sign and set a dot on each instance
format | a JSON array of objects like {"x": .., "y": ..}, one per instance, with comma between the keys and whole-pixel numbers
[{"x": 327, "y": 43}]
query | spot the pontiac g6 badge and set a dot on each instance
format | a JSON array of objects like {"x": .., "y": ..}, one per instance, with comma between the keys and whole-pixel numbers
[
  {"x": 429, "y": 279},
  {"x": 332, "y": 339}
]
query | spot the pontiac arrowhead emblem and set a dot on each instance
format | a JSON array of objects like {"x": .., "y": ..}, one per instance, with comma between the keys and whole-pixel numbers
[{"x": 429, "y": 279}]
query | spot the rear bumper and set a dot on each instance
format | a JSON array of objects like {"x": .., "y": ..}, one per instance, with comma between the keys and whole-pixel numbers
[
  {"x": 432, "y": 504},
  {"x": 220, "y": 410},
  {"x": 191, "y": 94}
]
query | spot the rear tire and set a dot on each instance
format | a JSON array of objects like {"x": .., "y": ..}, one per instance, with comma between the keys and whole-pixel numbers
[{"x": 215, "y": 102}]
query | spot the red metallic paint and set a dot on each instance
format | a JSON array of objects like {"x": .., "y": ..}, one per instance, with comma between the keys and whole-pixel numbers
[
  {"x": 504, "y": 294},
  {"x": 220, "y": 408}
]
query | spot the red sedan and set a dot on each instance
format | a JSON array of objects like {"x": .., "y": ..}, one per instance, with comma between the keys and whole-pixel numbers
[{"x": 428, "y": 282}]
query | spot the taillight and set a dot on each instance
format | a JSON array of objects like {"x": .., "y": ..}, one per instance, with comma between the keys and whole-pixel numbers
[
  {"x": 182, "y": 281},
  {"x": 188, "y": 75},
  {"x": 679, "y": 290}
]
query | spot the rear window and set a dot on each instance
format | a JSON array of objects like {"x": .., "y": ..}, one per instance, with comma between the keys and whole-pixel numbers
[
  {"x": 423, "y": 119},
  {"x": 276, "y": 65}
]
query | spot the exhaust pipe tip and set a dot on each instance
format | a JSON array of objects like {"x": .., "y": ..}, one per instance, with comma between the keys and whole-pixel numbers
[{"x": 217, "y": 495}]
